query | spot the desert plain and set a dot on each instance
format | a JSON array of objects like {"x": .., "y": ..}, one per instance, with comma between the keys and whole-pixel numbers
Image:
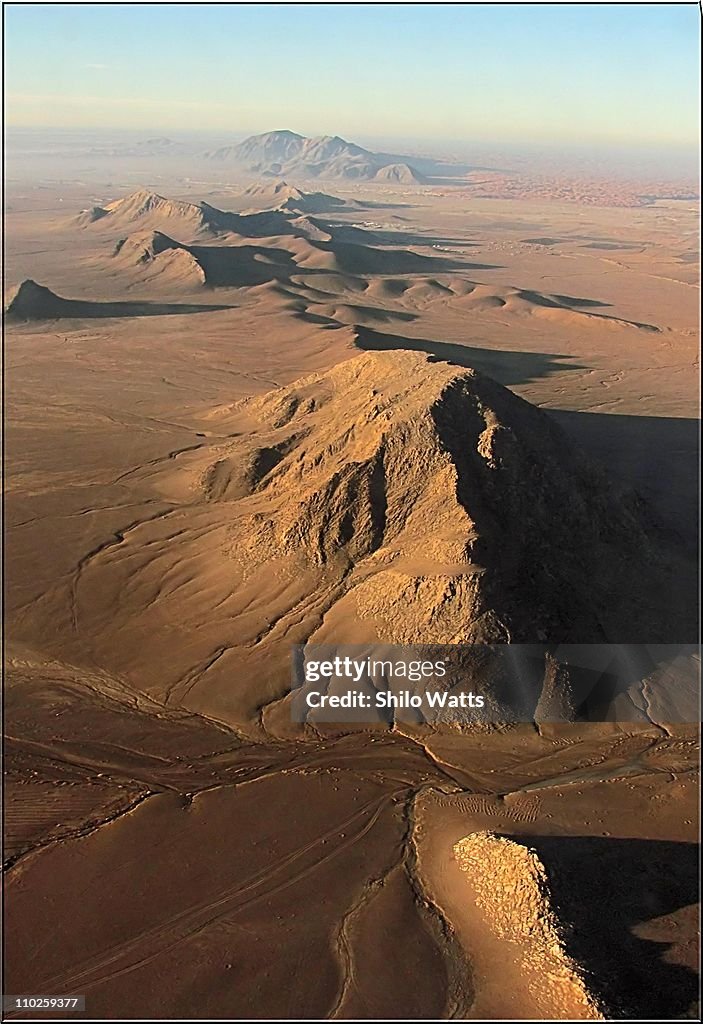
[{"x": 244, "y": 413}]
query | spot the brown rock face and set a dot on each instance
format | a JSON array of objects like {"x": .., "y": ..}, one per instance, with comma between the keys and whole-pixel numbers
[
  {"x": 449, "y": 510},
  {"x": 512, "y": 897}
]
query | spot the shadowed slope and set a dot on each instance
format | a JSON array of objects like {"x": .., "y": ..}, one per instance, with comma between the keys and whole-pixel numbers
[{"x": 155, "y": 257}]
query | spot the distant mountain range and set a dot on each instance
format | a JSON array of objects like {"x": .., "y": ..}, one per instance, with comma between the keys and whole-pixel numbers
[
  {"x": 157, "y": 147},
  {"x": 284, "y": 153},
  {"x": 326, "y": 156}
]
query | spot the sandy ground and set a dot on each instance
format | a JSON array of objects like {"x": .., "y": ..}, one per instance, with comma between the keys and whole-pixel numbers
[{"x": 173, "y": 849}]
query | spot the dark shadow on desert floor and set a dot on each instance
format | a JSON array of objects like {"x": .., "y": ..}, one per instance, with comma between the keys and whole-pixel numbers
[
  {"x": 660, "y": 454},
  {"x": 389, "y": 237},
  {"x": 242, "y": 266},
  {"x": 546, "y": 241},
  {"x": 575, "y": 303},
  {"x": 362, "y": 259},
  {"x": 656, "y": 455},
  {"x": 78, "y": 309},
  {"x": 371, "y": 204},
  {"x": 609, "y": 246},
  {"x": 506, "y": 367},
  {"x": 562, "y": 300},
  {"x": 624, "y": 667},
  {"x": 605, "y": 890}
]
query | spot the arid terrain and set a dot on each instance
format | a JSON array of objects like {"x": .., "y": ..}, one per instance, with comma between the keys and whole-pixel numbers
[{"x": 350, "y": 407}]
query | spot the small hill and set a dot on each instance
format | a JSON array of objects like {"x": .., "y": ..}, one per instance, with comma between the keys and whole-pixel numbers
[
  {"x": 32, "y": 301},
  {"x": 152, "y": 211},
  {"x": 402, "y": 174},
  {"x": 282, "y": 196},
  {"x": 144, "y": 246},
  {"x": 278, "y": 192},
  {"x": 158, "y": 256},
  {"x": 90, "y": 215},
  {"x": 151, "y": 256}
]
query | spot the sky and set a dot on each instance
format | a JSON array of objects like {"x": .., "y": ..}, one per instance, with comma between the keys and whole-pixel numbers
[{"x": 546, "y": 73}]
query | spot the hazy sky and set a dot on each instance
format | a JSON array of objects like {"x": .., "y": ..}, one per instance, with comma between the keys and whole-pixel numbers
[{"x": 560, "y": 73}]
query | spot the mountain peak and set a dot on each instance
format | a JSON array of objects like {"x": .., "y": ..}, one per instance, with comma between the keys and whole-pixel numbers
[
  {"x": 444, "y": 508},
  {"x": 29, "y": 300},
  {"x": 281, "y": 132}
]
